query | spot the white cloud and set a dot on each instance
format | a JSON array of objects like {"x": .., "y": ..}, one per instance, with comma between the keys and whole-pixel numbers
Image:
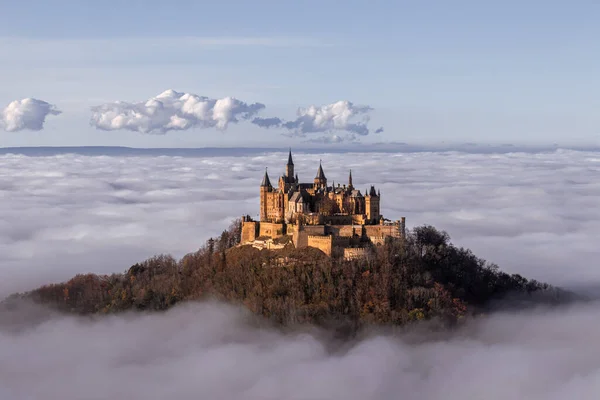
[
  {"x": 334, "y": 119},
  {"x": 26, "y": 114},
  {"x": 172, "y": 110},
  {"x": 333, "y": 138}
]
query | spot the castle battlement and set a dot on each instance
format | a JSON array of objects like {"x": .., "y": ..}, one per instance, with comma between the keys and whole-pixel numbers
[{"x": 319, "y": 215}]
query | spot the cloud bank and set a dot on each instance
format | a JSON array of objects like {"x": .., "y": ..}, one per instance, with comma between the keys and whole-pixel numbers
[
  {"x": 531, "y": 213},
  {"x": 172, "y": 110},
  {"x": 24, "y": 114},
  {"x": 343, "y": 120},
  {"x": 211, "y": 351}
]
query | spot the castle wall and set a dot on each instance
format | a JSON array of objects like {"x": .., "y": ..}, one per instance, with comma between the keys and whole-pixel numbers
[
  {"x": 374, "y": 231},
  {"x": 342, "y": 241},
  {"x": 300, "y": 239},
  {"x": 249, "y": 231},
  {"x": 323, "y": 243},
  {"x": 314, "y": 229},
  {"x": 355, "y": 253},
  {"x": 337, "y": 219},
  {"x": 339, "y": 235},
  {"x": 377, "y": 240},
  {"x": 271, "y": 229},
  {"x": 300, "y": 234},
  {"x": 345, "y": 230}
]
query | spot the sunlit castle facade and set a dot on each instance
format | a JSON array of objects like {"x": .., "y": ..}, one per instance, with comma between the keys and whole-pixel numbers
[{"x": 316, "y": 214}]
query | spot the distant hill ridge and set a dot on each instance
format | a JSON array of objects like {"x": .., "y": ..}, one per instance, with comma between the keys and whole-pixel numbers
[{"x": 393, "y": 147}]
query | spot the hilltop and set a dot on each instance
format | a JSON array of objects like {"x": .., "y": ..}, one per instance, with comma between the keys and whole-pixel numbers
[{"x": 421, "y": 276}]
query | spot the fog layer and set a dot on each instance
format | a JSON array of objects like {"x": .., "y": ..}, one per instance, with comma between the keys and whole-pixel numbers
[
  {"x": 209, "y": 351},
  {"x": 534, "y": 214}
]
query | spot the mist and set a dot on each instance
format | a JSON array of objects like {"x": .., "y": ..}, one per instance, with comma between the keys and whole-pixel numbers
[
  {"x": 531, "y": 213},
  {"x": 213, "y": 351}
]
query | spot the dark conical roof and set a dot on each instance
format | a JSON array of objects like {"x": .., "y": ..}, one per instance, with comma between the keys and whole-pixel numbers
[
  {"x": 266, "y": 181},
  {"x": 320, "y": 173},
  {"x": 290, "y": 162}
]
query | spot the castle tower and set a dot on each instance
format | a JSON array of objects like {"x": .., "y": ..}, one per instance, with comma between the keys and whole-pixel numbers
[
  {"x": 289, "y": 168},
  {"x": 372, "y": 203},
  {"x": 265, "y": 188},
  {"x": 320, "y": 179}
]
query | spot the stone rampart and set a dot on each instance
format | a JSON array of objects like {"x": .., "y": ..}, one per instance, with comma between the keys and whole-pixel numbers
[
  {"x": 355, "y": 253},
  {"x": 249, "y": 231},
  {"x": 382, "y": 230},
  {"x": 323, "y": 243},
  {"x": 271, "y": 229}
]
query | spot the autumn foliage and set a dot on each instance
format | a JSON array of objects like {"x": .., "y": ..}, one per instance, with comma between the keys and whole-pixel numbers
[{"x": 420, "y": 277}]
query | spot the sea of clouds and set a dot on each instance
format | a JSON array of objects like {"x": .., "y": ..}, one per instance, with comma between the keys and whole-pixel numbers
[
  {"x": 212, "y": 351},
  {"x": 531, "y": 213}
]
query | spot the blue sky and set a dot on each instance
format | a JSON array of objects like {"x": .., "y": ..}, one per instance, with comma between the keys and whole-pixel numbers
[{"x": 432, "y": 71}]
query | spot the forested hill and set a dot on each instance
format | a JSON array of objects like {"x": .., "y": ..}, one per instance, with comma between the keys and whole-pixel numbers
[{"x": 421, "y": 277}]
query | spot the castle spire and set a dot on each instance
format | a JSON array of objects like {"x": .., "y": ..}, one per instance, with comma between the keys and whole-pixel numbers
[
  {"x": 320, "y": 180},
  {"x": 320, "y": 173},
  {"x": 266, "y": 182},
  {"x": 289, "y": 169},
  {"x": 350, "y": 181}
]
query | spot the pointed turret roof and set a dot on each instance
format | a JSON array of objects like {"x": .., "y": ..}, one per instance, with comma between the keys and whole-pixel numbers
[
  {"x": 320, "y": 173},
  {"x": 266, "y": 181},
  {"x": 290, "y": 162}
]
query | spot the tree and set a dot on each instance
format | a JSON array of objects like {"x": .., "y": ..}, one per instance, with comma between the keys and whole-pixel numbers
[
  {"x": 328, "y": 206},
  {"x": 348, "y": 205},
  {"x": 422, "y": 276}
]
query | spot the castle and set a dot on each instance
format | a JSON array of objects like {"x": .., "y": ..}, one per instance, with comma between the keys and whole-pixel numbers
[{"x": 335, "y": 219}]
